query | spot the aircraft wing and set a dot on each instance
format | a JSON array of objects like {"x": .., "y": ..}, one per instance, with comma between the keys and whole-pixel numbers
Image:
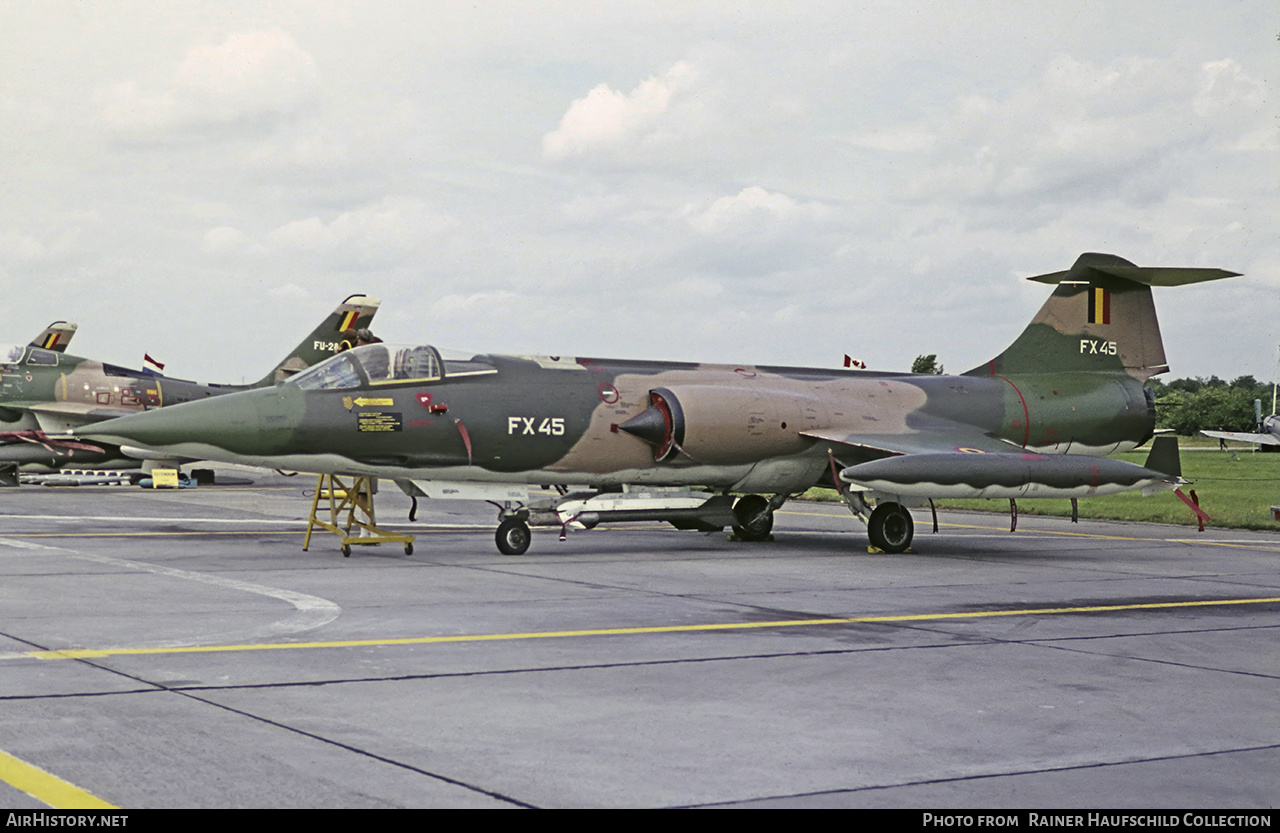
[
  {"x": 56, "y": 417},
  {"x": 940, "y": 439},
  {"x": 1243, "y": 437}
]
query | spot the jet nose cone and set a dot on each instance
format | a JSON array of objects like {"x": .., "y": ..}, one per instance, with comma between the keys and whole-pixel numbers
[
  {"x": 648, "y": 425},
  {"x": 229, "y": 422}
]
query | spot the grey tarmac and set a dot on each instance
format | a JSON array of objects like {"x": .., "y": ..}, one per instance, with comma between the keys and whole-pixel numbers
[{"x": 628, "y": 667}]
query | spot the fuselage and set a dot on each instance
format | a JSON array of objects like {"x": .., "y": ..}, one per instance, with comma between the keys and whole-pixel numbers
[{"x": 403, "y": 412}]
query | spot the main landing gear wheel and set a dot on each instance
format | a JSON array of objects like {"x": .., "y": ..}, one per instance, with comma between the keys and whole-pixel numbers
[
  {"x": 754, "y": 518},
  {"x": 513, "y": 537},
  {"x": 890, "y": 528}
]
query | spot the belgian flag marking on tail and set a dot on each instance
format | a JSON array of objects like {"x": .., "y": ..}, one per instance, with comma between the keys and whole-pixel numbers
[
  {"x": 51, "y": 341},
  {"x": 349, "y": 320},
  {"x": 1099, "y": 305}
]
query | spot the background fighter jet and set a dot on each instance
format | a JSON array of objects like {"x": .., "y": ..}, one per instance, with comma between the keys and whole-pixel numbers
[
  {"x": 45, "y": 392},
  {"x": 1268, "y": 432},
  {"x": 1271, "y": 426},
  {"x": 1034, "y": 422}
]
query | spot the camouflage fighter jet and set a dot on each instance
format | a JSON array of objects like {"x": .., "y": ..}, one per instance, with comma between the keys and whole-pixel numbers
[
  {"x": 709, "y": 446},
  {"x": 1266, "y": 431},
  {"x": 45, "y": 392},
  {"x": 1269, "y": 433},
  {"x": 1268, "y": 428}
]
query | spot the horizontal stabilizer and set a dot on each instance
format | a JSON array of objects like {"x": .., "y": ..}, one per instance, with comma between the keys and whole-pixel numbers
[{"x": 1089, "y": 265}]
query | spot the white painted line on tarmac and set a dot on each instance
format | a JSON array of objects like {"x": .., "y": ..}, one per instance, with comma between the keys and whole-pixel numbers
[{"x": 310, "y": 612}]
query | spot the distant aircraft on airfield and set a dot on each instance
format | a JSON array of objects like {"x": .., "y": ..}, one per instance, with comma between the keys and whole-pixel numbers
[
  {"x": 1268, "y": 432},
  {"x": 709, "y": 446},
  {"x": 44, "y": 392}
]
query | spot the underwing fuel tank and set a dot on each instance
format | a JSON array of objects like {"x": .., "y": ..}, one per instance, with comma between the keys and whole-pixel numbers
[{"x": 961, "y": 475}]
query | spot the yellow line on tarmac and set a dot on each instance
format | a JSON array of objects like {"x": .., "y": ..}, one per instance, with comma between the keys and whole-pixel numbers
[
  {"x": 50, "y": 789},
  {"x": 1243, "y": 544},
  {"x": 82, "y": 653},
  {"x": 153, "y": 534}
]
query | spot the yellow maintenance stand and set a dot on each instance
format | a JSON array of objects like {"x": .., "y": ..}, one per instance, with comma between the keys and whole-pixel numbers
[{"x": 349, "y": 499}]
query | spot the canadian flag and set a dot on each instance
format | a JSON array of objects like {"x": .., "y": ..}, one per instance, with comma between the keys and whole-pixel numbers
[{"x": 852, "y": 362}]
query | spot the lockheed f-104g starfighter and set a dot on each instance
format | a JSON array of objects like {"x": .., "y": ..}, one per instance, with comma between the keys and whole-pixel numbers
[{"x": 708, "y": 446}]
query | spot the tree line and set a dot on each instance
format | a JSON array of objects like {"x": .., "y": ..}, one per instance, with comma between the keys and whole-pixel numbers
[{"x": 1190, "y": 405}]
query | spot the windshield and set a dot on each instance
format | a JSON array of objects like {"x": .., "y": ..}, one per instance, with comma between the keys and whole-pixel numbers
[
  {"x": 373, "y": 364},
  {"x": 11, "y": 353},
  {"x": 332, "y": 374}
]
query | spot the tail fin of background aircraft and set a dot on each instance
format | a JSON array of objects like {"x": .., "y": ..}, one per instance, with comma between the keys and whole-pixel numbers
[
  {"x": 1100, "y": 317},
  {"x": 55, "y": 337},
  {"x": 355, "y": 313}
]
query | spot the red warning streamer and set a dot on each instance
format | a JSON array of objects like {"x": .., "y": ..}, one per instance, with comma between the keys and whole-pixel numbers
[{"x": 1195, "y": 507}]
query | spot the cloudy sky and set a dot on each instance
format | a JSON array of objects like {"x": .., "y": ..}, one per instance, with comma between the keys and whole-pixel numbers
[{"x": 761, "y": 182}]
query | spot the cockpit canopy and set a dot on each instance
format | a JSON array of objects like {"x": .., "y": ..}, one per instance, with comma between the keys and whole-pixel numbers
[
  {"x": 385, "y": 364},
  {"x": 12, "y": 354}
]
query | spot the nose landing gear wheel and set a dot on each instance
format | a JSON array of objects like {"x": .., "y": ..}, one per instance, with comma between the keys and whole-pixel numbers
[
  {"x": 890, "y": 528},
  {"x": 513, "y": 537}
]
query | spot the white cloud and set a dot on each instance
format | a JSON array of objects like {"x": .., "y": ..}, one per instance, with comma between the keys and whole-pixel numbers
[
  {"x": 1230, "y": 97},
  {"x": 757, "y": 232},
  {"x": 755, "y": 211},
  {"x": 16, "y": 247},
  {"x": 221, "y": 239},
  {"x": 1084, "y": 130},
  {"x": 51, "y": 245},
  {"x": 289, "y": 292},
  {"x": 250, "y": 76},
  {"x": 385, "y": 231},
  {"x": 697, "y": 289},
  {"x": 609, "y": 122},
  {"x": 477, "y": 303},
  {"x": 902, "y": 140}
]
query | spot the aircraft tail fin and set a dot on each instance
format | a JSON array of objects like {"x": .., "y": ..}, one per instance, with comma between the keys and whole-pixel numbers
[
  {"x": 1100, "y": 317},
  {"x": 55, "y": 337},
  {"x": 355, "y": 313}
]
